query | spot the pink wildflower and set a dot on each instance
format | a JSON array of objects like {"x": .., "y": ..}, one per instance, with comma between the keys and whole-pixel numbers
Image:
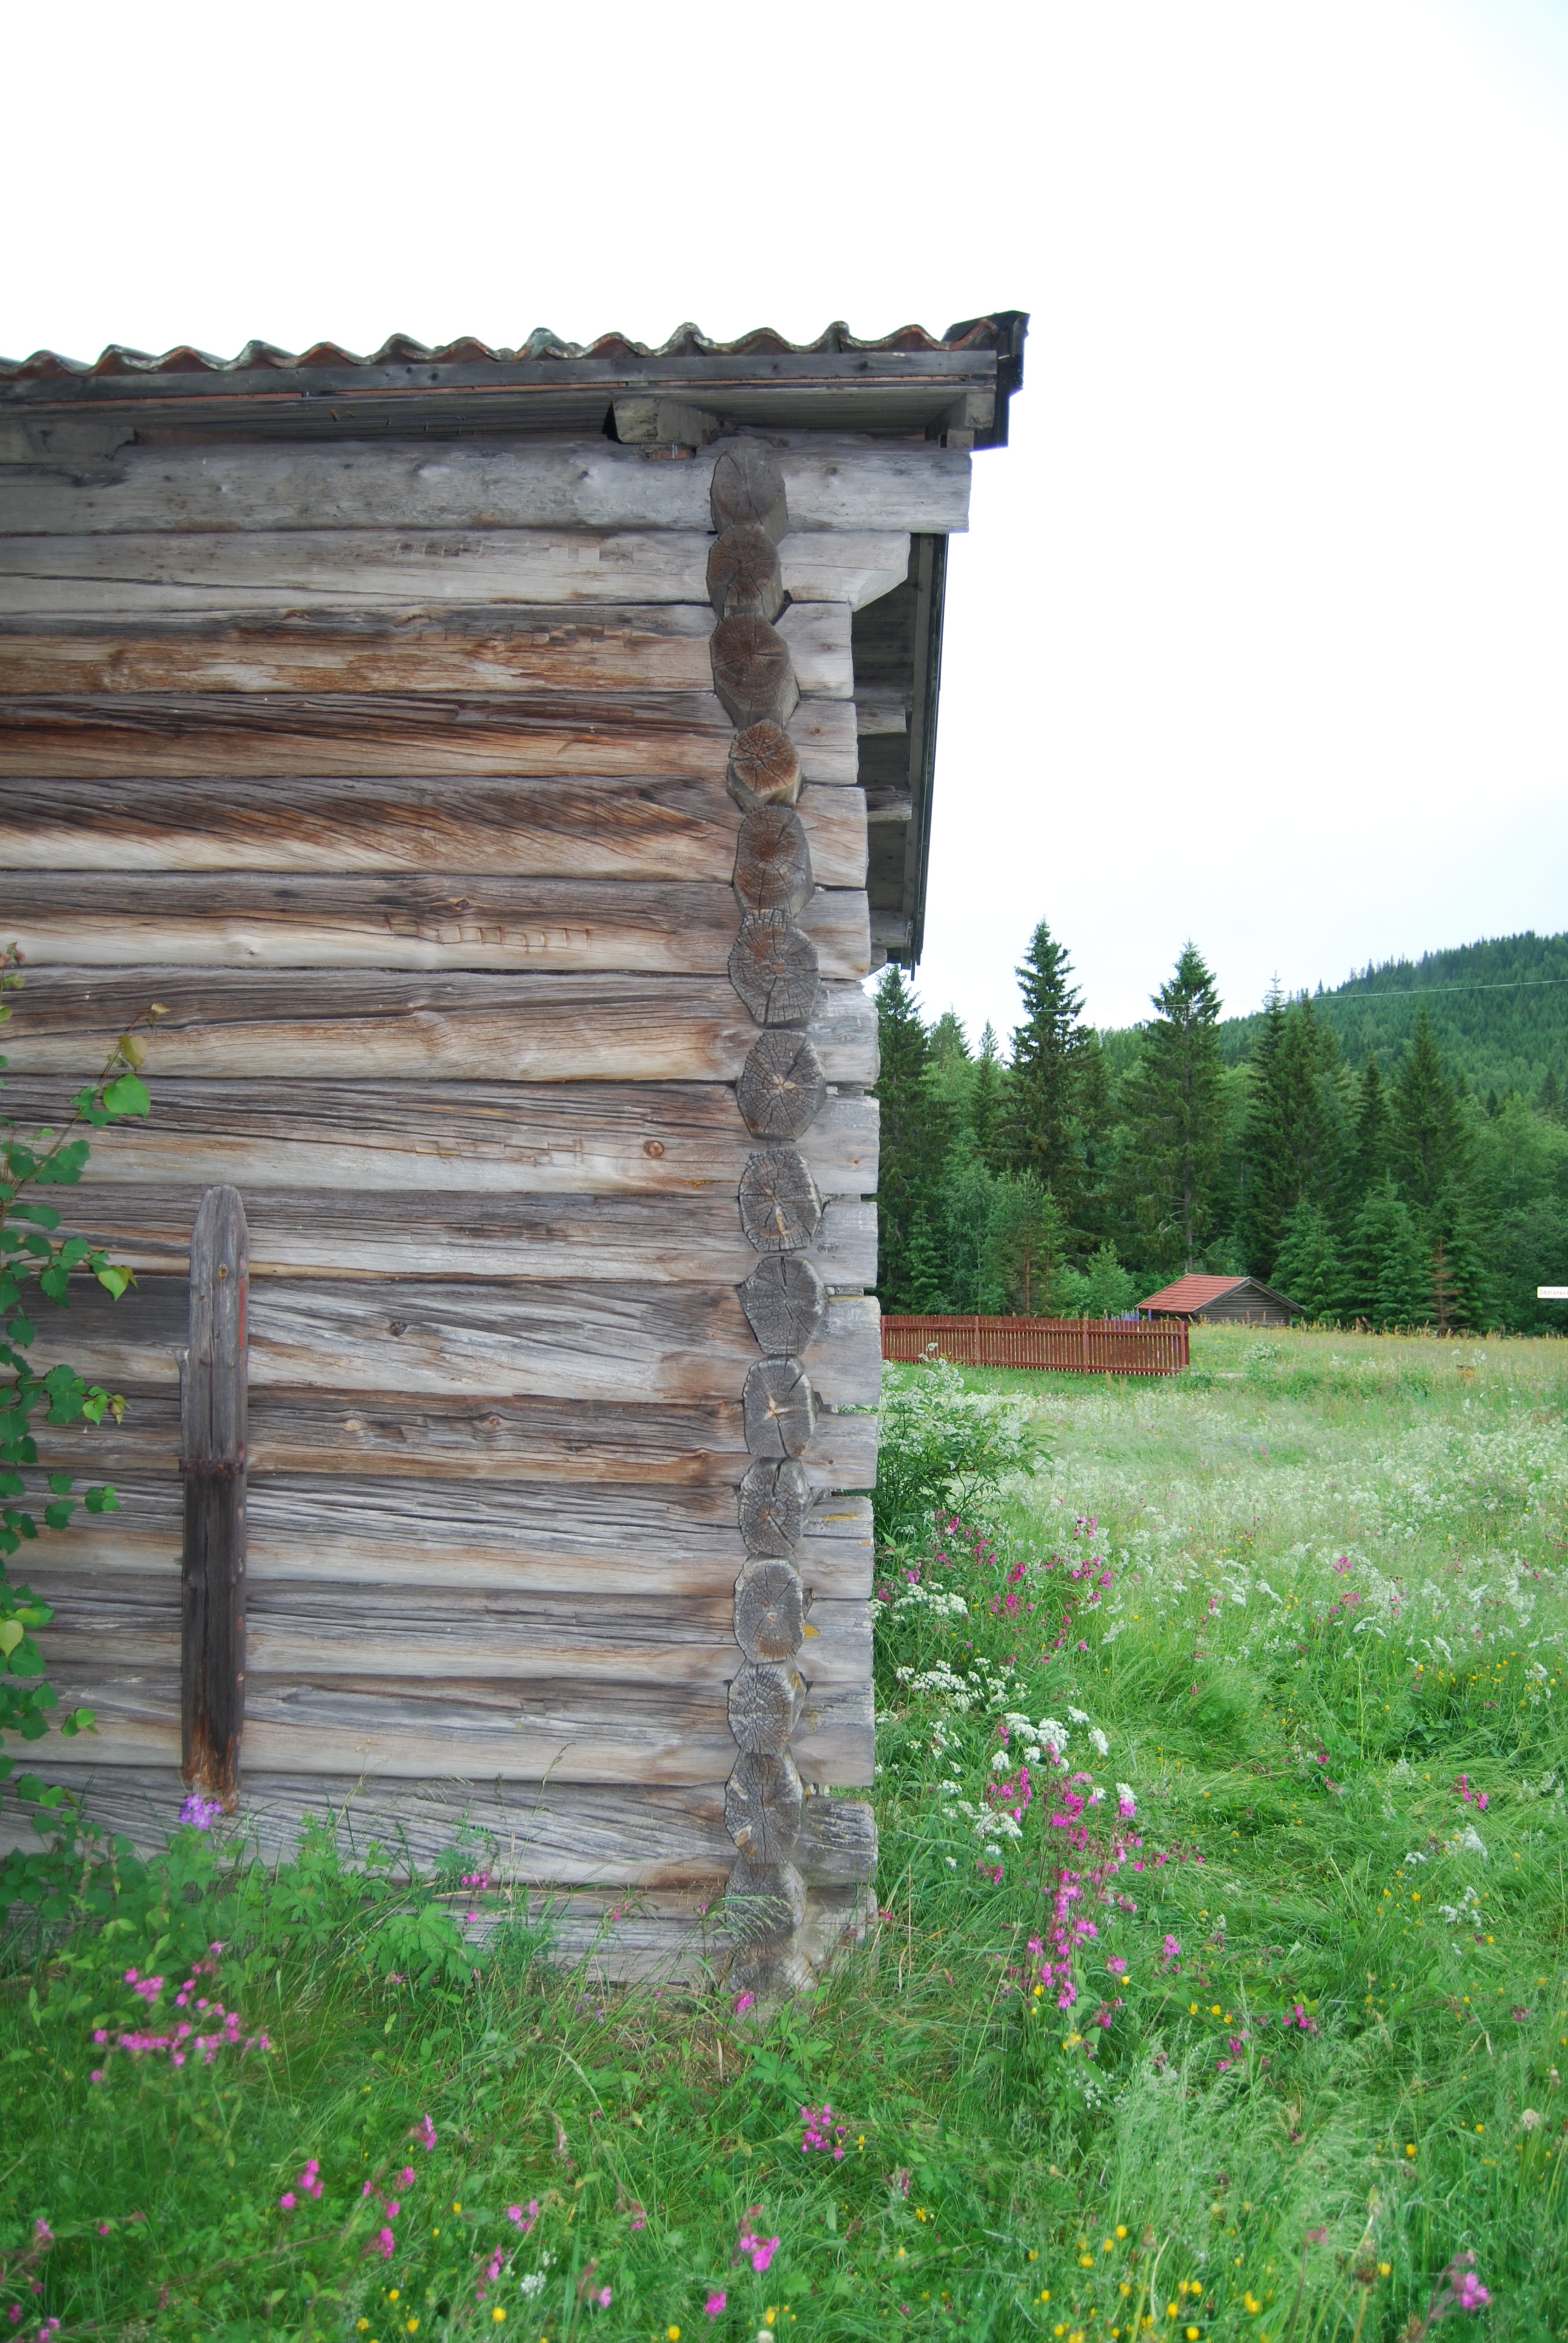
[
  {"x": 288, "y": 2200},
  {"x": 715, "y": 2304},
  {"x": 386, "y": 2244},
  {"x": 603, "y": 2297},
  {"x": 1470, "y": 2294},
  {"x": 745, "y": 2002},
  {"x": 424, "y": 2131}
]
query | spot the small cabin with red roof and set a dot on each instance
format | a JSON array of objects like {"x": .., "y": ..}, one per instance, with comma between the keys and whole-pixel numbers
[{"x": 1222, "y": 1302}]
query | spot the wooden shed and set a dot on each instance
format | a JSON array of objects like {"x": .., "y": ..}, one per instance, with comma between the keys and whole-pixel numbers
[
  {"x": 506, "y": 768},
  {"x": 1222, "y": 1302}
]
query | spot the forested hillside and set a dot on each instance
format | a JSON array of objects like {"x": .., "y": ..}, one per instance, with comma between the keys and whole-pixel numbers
[
  {"x": 1391, "y": 1153},
  {"x": 1499, "y": 1013}
]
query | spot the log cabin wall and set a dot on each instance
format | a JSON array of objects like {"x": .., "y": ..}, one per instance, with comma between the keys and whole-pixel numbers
[{"x": 486, "y": 816}]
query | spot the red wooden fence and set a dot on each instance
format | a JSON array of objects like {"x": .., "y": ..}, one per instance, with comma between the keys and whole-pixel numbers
[{"x": 1090, "y": 1346}]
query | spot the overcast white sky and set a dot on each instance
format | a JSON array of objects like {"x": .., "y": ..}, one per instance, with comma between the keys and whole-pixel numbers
[{"x": 1260, "y": 633}]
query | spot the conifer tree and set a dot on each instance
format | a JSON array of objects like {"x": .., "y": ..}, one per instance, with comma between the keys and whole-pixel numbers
[
  {"x": 1550, "y": 1103},
  {"x": 1390, "y": 1278},
  {"x": 1431, "y": 1140},
  {"x": 1173, "y": 1102},
  {"x": 1308, "y": 1268},
  {"x": 987, "y": 1101},
  {"x": 915, "y": 1125},
  {"x": 1294, "y": 1140},
  {"x": 1051, "y": 1084},
  {"x": 1023, "y": 1246},
  {"x": 1462, "y": 1288},
  {"x": 1370, "y": 1159}
]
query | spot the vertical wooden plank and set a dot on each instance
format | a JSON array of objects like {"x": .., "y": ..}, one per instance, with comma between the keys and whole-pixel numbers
[{"x": 213, "y": 1381}]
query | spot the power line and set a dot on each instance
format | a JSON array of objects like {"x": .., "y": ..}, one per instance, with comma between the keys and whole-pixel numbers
[{"x": 1427, "y": 991}]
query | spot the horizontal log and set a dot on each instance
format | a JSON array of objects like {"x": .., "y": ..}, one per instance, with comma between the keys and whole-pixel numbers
[
  {"x": 351, "y": 1024},
  {"x": 253, "y": 919},
  {"x": 84, "y": 576},
  {"x": 524, "y": 484},
  {"x": 322, "y": 1627},
  {"x": 152, "y": 735},
  {"x": 492, "y": 1728},
  {"x": 533, "y": 1537},
  {"x": 568, "y": 1834},
  {"x": 679, "y": 1239},
  {"x": 588, "y": 829},
  {"x": 518, "y": 1340},
  {"x": 648, "y": 647},
  {"x": 697, "y": 1445},
  {"x": 445, "y": 1138}
]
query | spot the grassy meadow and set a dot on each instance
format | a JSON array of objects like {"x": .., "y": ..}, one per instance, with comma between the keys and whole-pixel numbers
[{"x": 1219, "y": 1987}]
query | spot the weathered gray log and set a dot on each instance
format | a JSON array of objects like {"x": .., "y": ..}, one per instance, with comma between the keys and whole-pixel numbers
[
  {"x": 657, "y": 648},
  {"x": 743, "y": 579},
  {"x": 765, "y": 1904},
  {"x": 583, "y": 827},
  {"x": 404, "y": 919},
  {"x": 838, "y": 1841},
  {"x": 514, "y": 483},
  {"x": 752, "y": 673},
  {"x": 212, "y": 1402},
  {"x": 693, "y": 1237},
  {"x": 774, "y": 967},
  {"x": 780, "y": 1210},
  {"x": 747, "y": 490},
  {"x": 428, "y": 1338},
  {"x": 765, "y": 767},
  {"x": 785, "y": 1301},
  {"x": 770, "y": 1611},
  {"x": 775, "y": 1508},
  {"x": 780, "y": 1407},
  {"x": 584, "y": 1539},
  {"x": 698, "y": 1444},
  {"x": 773, "y": 861},
  {"x": 763, "y": 1802},
  {"x": 782, "y": 1086},
  {"x": 494, "y": 1140},
  {"x": 356, "y": 568},
  {"x": 350, "y": 1024},
  {"x": 765, "y": 1702}
]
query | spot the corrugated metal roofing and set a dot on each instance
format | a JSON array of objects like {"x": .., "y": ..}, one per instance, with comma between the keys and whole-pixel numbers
[{"x": 612, "y": 349}]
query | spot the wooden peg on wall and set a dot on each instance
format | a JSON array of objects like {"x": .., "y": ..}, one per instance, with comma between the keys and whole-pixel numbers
[{"x": 213, "y": 1408}]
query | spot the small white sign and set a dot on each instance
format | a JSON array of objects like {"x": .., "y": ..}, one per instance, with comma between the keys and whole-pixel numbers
[{"x": 1551, "y": 1293}]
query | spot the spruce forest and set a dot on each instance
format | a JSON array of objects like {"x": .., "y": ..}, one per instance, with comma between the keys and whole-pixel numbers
[{"x": 1359, "y": 1167}]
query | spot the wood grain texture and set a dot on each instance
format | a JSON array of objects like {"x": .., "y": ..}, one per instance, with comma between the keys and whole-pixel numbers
[
  {"x": 773, "y": 861},
  {"x": 322, "y": 1627},
  {"x": 694, "y": 1239},
  {"x": 775, "y": 968},
  {"x": 748, "y": 489},
  {"x": 450, "y": 1138},
  {"x": 401, "y": 920},
  {"x": 522, "y": 1340},
  {"x": 490, "y": 1729},
  {"x": 765, "y": 766},
  {"x": 780, "y": 1405},
  {"x": 582, "y": 1539},
  {"x": 765, "y": 1807},
  {"x": 210, "y": 1617},
  {"x": 517, "y": 484},
  {"x": 134, "y": 574},
  {"x": 346, "y": 1024},
  {"x": 770, "y": 1598},
  {"x": 651, "y": 648},
  {"x": 743, "y": 575},
  {"x": 588, "y": 829},
  {"x": 752, "y": 674},
  {"x": 764, "y": 1905},
  {"x": 767, "y": 1703},
  {"x": 620, "y": 1835},
  {"x": 698, "y": 1444},
  {"x": 775, "y": 1508},
  {"x": 782, "y": 1087},
  {"x": 785, "y": 1301},
  {"x": 152, "y": 735},
  {"x": 781, "y": 1207}
]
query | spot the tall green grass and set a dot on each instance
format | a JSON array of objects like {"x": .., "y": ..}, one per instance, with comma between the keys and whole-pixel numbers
[{"x": 1335, "y": 1586}]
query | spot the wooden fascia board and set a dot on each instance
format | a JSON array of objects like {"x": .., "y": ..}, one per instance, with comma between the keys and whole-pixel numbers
[{"x": 929, "y": 564}]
